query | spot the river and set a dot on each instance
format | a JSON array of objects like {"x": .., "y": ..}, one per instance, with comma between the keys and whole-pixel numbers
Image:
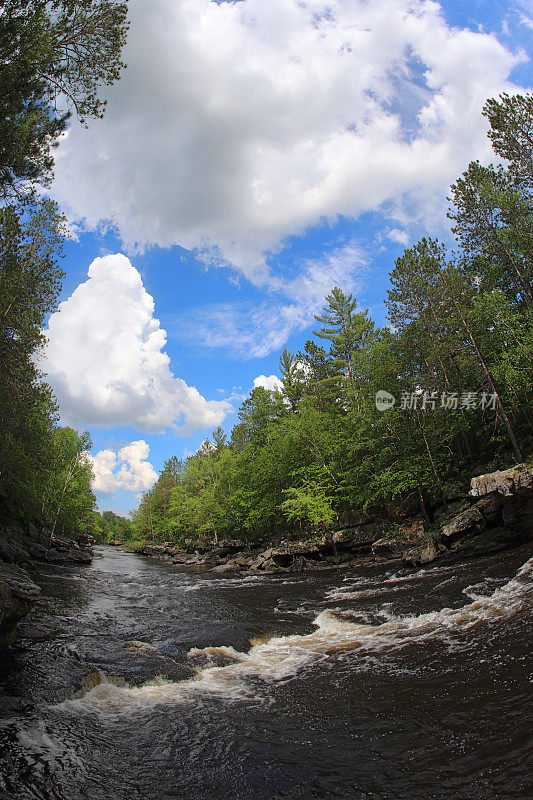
[{"x": 134, "y": 680}]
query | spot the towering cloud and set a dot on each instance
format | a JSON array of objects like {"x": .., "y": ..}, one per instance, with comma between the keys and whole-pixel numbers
[{"x": 106, "y": 362}]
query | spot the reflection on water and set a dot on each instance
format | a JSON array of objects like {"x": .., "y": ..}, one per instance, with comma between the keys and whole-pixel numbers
[{"x": 133, "y": 679}]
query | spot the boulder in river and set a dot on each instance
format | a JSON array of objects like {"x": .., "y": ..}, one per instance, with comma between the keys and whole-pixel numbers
[{"x": 229, "y": 567}]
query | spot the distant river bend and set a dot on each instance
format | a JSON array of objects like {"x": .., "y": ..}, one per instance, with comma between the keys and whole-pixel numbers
[{"x": 133, "y": 679}]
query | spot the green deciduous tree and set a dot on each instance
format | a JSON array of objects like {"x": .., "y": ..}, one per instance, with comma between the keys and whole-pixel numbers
[
  {"x": 68, "y": 500},
  {"x": 30, "y": 279},
  {"x": 309, "y": 504}
]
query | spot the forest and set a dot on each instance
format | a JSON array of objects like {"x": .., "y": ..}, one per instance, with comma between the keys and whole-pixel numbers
[
  {"x": 54, "y": 57},
  {"x": 385, "y": 420}
]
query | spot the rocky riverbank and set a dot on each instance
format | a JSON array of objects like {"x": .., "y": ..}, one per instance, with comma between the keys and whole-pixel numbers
[
  {"x": 496, "y": 513},
  {"x": 22, "y": 545}
]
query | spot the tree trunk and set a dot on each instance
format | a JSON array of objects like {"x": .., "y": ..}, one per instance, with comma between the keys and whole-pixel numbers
[
  {"x": 490, "y": 382},
  {"x": 433, "y": 467}
]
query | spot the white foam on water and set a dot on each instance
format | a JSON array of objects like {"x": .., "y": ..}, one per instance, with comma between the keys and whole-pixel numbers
[
  {"x": 356, "y": 591},
  {"x": 281, "y": 657},
  {"x": 228, "y": 583},
  {"x": 480, "y": 589},
  {"x": 363, "y": 594},
  {"x": 240, "y": 582},
  {"x": 301, "y": 611}
]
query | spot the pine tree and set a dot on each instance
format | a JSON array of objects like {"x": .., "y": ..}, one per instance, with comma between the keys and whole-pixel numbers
[
  {"x": 511, "y": 134},
  {"x": 291, "y": 377},
  {"x": 53, "y": 57},
  {"x": 350, "y": 333},
  {"x": 493, "y": 223}
]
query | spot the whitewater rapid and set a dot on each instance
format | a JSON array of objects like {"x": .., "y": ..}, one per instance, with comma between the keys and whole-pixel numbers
[{"x": 245, "y": 674}]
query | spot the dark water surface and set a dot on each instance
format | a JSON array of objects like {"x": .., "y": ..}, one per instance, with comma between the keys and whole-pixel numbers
[{"x": 132, "y": 680}]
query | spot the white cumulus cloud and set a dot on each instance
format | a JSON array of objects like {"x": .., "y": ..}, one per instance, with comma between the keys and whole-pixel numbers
[
  {"x": 106, "y": 362},
  {"x": 270, "y": 382},
  {"x": 126, "y": 469},
  {"x": 237, "y": 124},
  {"x": 399, "y": 236}
]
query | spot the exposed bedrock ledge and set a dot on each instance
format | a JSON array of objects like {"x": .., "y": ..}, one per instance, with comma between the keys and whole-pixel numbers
[
  {"x": 502, "y": 499},
  {"x": 26, "y": 543},
  {"x": 470, "y": 521},
  {"x": 17, "y": 594},
  {"x": 508, "y": 482},
  {"x": 22, "y": 545},
  {"x": 497, "y": 512},
  {"x": 501, "y": 514}
]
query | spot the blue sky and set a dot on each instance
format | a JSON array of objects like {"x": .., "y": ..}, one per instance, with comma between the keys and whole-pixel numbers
[{"x": 253, "y": 156}]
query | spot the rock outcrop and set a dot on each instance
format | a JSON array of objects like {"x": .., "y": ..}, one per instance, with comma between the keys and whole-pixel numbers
[
  {"x": 507, "y": 497},
  {"x": 423, "y": 552},
  {"x": 411, "y": 544},
  {"x": 17, "y": 594},
  {"x": 501, "y": 501},
  {"x": 468, "y": 522},
  {"x": 516, "y": 480},
  {"x": 21, "y": 546},
  {"x": 497, "y": 512}
]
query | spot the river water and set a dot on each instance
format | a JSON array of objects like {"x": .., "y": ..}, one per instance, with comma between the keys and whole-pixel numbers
[{"x": 133, "y": 680}]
